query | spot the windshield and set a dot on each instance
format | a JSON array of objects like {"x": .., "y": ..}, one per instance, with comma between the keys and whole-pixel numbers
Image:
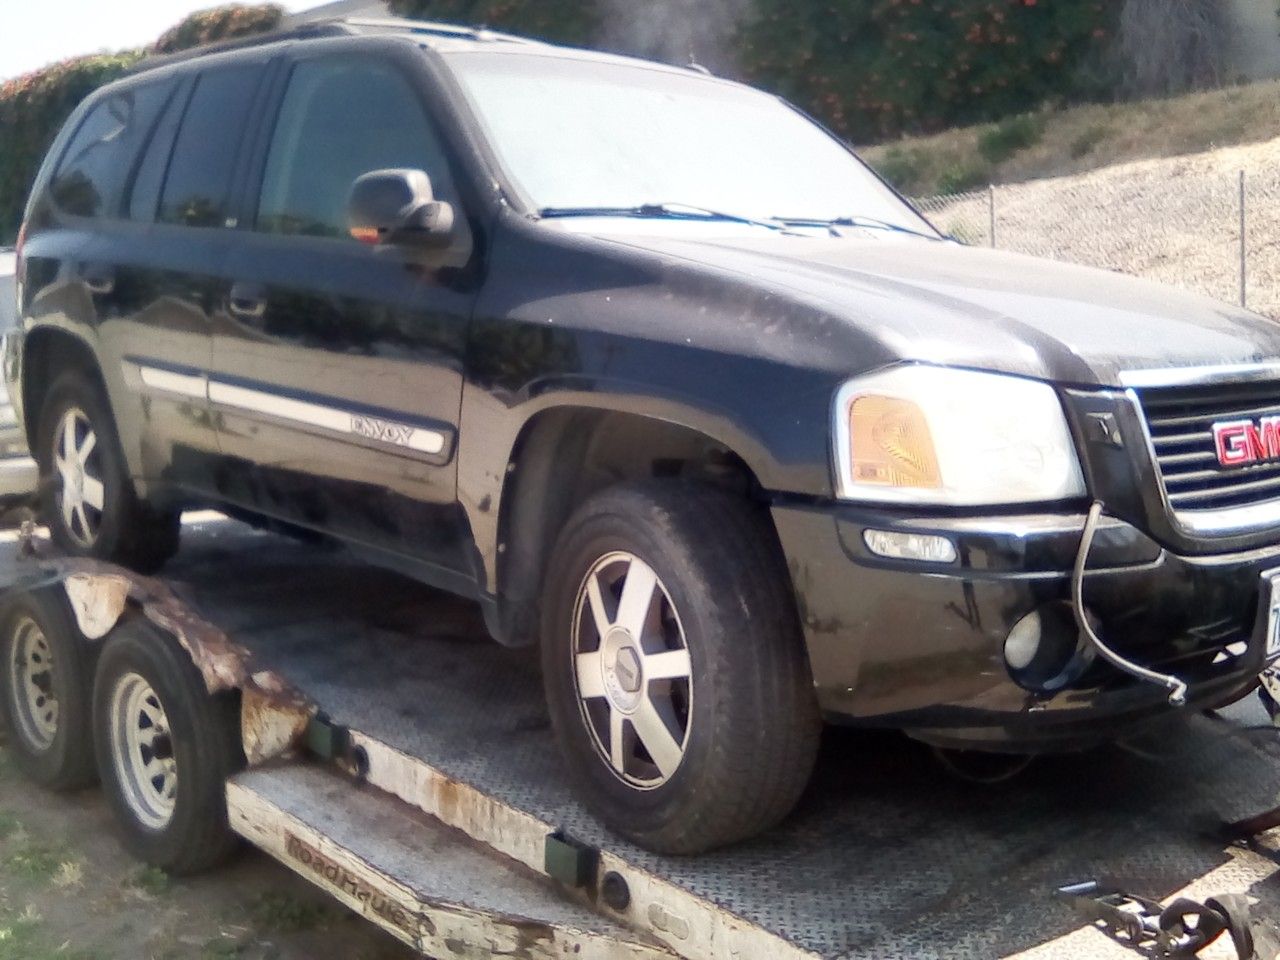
[{"x": 594, "y": 137}]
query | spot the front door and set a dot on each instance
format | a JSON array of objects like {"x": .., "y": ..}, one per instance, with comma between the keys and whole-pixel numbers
[{"x": 337, "y": 367}]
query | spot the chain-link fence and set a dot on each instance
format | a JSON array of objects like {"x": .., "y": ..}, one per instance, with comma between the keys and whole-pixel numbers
[{"x": 1187, "y": 222}]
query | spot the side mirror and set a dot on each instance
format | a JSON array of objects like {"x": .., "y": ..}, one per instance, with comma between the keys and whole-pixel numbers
[{"x": 398, "y": 207}]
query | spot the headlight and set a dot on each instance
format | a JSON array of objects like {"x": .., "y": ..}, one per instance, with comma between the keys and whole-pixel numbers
[{"x": 932, "y": 435}]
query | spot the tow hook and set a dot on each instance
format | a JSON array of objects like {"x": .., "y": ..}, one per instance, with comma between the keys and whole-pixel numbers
[
  {"x": 1182, "y": 929},
  {"x": 1176, "y": 687}
]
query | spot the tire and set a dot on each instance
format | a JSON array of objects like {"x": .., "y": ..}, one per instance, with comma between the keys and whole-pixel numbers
[
  {"x": 46, "y": 669},
  {"x": 738, "y": 705},
  {"x": 1269, "y": 692},
  {"x": 165, "y": 749},
  {"x": 88, "y": 498}
]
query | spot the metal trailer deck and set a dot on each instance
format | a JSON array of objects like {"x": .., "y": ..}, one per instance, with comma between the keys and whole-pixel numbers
[{"x": 449, "y": 821}]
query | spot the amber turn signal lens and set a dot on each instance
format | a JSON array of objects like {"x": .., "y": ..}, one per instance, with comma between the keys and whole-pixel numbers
[{"x": 890, "y": 444}]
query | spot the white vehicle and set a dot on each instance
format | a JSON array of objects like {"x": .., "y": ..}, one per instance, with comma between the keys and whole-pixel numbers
[{"x": 17, "y": 468}]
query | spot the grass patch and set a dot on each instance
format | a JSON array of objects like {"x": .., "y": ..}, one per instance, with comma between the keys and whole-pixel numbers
[
  {"x": 153, "y": 881},
  {"x": 9, "y": 825},
  {"x": 36, "y": 862},
  {"x": 220, "y": 949},
  {"x": 1054, "y": 143},
  {"x": 21, "y": 939},
  {"x": 282, "y": 913}
]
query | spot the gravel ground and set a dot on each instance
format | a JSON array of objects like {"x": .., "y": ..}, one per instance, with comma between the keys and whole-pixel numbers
[{"x": 1174, "y": 220}]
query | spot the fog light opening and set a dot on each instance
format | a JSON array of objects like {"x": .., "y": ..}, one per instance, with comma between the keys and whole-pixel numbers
[
  {"x": 1044, "y": 652},
  {"x": 923, "y": 547}
]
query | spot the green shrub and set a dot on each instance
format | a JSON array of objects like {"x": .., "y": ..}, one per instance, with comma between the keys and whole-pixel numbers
[
  {"x": 220, "y": 23},
  {"x": 562, "y": 21},
  {"x": 1000, "y": 142},
  {"x": 877, "y": 68},
  {"x": 903, "y": 167}
]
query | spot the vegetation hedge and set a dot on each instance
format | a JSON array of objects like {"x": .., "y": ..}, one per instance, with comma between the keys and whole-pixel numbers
[
  {"x": 220, "y": 23},
  {"x": 878, "y": 68}
]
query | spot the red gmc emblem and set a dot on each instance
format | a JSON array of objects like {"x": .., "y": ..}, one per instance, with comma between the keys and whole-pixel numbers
[{"x": 1242, "y": 442}]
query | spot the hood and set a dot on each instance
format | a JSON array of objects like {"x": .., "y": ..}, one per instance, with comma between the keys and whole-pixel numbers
[{"x": 944, "y": 303}]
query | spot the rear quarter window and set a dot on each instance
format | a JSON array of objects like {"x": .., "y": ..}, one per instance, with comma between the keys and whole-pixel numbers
[
  {"x": 91, "y": 176},
  {"x": 197, "y": 190}
]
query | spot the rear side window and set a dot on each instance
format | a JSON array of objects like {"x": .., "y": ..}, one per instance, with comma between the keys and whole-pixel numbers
[
  {"x": 197, "y": 191},
  {"x": 91, "y": 175},
  {"x": 341, "y": 118},
  {"x": 143, "y": 194}
]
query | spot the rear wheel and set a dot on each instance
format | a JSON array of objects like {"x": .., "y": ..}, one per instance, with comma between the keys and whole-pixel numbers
[
  {"x": 89, "y": 501},
  {"x": 47, "y": 670},
  {"x": 676, "y": 675},
  {"x": 165, "y": 749}
]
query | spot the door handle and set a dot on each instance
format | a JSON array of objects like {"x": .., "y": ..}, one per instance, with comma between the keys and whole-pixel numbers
[
  {"x": 98, "y": 279},
  {"x": 248, "y": 301}
]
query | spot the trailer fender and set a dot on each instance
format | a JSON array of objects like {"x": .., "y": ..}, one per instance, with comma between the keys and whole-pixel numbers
[{"x": 273, "y": 714}]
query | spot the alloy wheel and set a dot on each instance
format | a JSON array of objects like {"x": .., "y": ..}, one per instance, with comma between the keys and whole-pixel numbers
[
  {"x": 632, "y": 670},
  {"x": 142, "y": 752},
  {"x": 31, "y": 666},
  {"x": 81, "y": 493}
]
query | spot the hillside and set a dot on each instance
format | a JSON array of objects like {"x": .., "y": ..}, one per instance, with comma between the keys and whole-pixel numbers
[
  {"x": 1173, "y": 220},
  {"x": 1064, "y": 142}
]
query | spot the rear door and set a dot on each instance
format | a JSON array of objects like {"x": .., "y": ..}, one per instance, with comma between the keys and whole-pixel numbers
[
  {"x": 159, "y": 276},
  {"x": 337, "y": 366}
]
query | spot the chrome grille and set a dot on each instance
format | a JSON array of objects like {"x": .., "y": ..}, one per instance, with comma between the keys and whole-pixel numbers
[{"x": 1181, "y": 421}]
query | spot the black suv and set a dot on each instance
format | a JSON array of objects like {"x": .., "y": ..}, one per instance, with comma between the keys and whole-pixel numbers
[{"x": 665, "y": 378}]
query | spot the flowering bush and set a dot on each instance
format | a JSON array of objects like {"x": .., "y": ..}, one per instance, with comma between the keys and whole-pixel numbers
[
  {"x": 220, "y": 23},
  {"x": 875, "y": 68},
  {"x": 562, "y": 21}
]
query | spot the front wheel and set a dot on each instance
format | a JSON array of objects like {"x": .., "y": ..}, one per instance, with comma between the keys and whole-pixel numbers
[
  {"x": 88, "y": 498},
  {"x": 676, "y": 674}
]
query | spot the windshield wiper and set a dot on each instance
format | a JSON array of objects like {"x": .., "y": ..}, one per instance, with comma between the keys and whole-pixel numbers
[
  {"x": 663, "y": 211},
  {"x": 870, "y": 223}
]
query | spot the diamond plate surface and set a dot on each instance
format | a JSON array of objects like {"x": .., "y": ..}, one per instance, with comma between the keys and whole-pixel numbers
[{"x": 887, "y": 856}]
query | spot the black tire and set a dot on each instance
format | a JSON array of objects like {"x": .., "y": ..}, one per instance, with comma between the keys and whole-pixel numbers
[
  {"x": 203, "y": 742},
  {"x": 1268, "y": 688},
  {"x": 46, "y": 669},
  {"x": 125, "y": 530},
  {"x": 748, "y": 716}
]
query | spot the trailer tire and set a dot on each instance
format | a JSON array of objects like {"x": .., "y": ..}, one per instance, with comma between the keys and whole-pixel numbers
[
  {"x": 47, "y": 673},
  {"x": 120, "y": 528},
  {"x": 714, "y": 649},
  {"x": 165, "y": 749}
]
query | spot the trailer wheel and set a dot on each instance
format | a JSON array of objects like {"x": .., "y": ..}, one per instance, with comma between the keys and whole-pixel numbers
[
  {"x": 88, "y": 499},
  {"x": 47, "y": 668},
  {"x": 676, "y": 674},
  {"x": 165, "y": 749}
]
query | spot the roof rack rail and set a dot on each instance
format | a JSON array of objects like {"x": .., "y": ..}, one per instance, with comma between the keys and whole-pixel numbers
[
  {"x": 306, "y": 31},
  {"x": 436, "y": 28}
]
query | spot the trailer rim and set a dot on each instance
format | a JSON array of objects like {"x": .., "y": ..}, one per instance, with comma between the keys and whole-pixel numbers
[
  {"x": 142, "y": 752},
  {"x": 35, "y": 703}
]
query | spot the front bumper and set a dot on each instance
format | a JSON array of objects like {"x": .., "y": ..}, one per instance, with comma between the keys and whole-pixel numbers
[{"x": 920, "y": 646}]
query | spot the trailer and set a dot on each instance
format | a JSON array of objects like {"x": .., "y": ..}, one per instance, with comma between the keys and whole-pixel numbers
[{"x": 383, "y": 749}]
